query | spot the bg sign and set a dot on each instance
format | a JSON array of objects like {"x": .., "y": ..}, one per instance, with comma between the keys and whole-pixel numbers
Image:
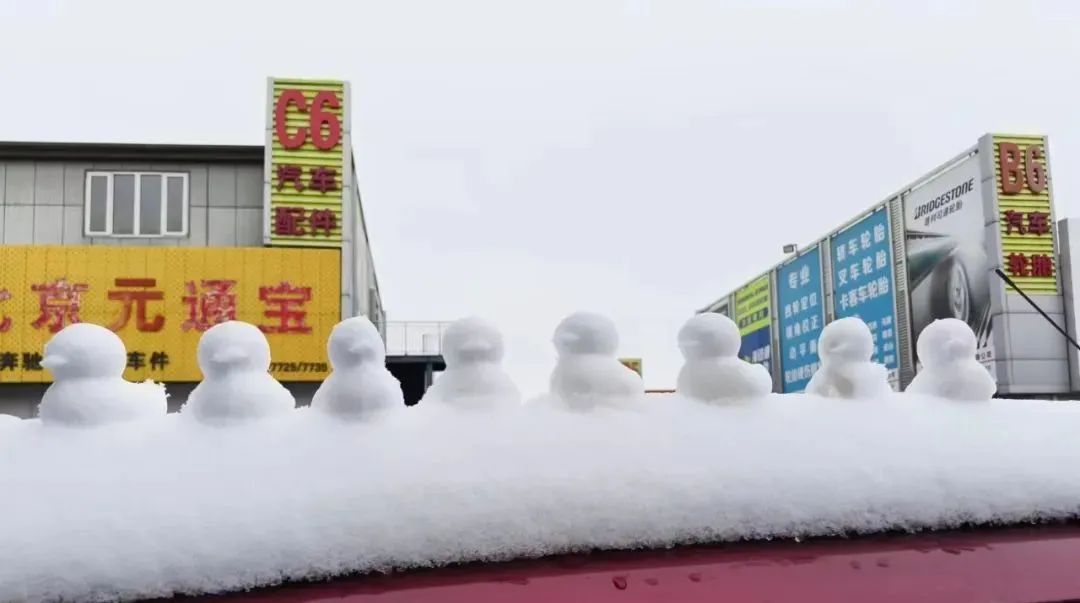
[
  {"x": 1024, "y": 199},
  {"x": 801, "y": 312},
  {"x": 863, "y": 283}
]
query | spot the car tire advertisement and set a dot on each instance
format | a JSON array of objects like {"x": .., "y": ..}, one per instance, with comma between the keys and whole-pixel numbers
[{"x": 948, "y": 267}]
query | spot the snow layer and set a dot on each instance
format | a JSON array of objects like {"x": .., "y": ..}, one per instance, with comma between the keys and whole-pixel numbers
[{"x": 171, "y": 506}]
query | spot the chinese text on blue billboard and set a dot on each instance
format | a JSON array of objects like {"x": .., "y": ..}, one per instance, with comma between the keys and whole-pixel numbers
[
  {"x": 802, "y": 316},
  {"x": 863, "y": 282}
]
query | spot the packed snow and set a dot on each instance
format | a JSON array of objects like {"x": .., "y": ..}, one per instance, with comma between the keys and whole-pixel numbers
[
  {"x": 234, "y": 358},
  {"x": 474, "y": 377},
  {"x": 162, "y": 505},
  {"x": 847, "y": 370},
  {"x": 946, "y": 349},
  {"x": 87, "y": 362},
  {"x": 587, "y": 373},
  {"x": 360, "y": 385},
  {"x": 713, "y": 371}
]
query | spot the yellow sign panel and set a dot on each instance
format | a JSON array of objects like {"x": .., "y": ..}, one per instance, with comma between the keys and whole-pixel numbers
[
  {"x": 751, "y": 308},
  {"x": 160, "y": 300},
  {"x": 633, "y": 364},
  {"x": 1023, "y": 185},
  {"x": 308, "y": 136}
]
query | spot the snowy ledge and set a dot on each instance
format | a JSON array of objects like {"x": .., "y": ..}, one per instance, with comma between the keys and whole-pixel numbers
[{"x": 171, "y": 506}]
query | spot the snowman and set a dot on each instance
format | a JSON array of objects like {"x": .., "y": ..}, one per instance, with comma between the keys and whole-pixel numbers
[
  {"x": 360, "y": 386},
  {"x": 587, "y": 373},
  {"x": 474, "y": 377},
  {"x": 87, "y": 363},
  {"x": 949, "y": 369},
  {"x": 713, "y": 372},
  {"x": 234, "y": 358},
  {"x": 846, "y": 348}
]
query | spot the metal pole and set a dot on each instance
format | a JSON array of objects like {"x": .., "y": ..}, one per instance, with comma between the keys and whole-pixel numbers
[{"x": 1012, "y": 284}]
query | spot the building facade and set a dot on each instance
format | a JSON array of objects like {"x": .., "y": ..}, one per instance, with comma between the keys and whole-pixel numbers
[
  {"x": 975, "y": 239},
  {"x": 160, "y": 242}
]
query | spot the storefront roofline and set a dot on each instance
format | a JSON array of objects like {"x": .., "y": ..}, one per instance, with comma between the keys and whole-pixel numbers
[{"x": 93, "y": 151}]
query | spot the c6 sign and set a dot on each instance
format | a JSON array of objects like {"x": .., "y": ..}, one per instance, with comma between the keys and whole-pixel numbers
[
  {"x": 324, "y": 130},
  {"x": 308, "y": 138}
]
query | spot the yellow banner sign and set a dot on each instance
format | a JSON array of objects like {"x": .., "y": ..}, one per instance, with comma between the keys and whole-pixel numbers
[
  {"x": 1022, "y": 178},
  {"x": 160, "y": 300},
  {"x": 633, "y": 364},
  {"x": 308, "y": 136},
  {"x": 751, "y": 308}
]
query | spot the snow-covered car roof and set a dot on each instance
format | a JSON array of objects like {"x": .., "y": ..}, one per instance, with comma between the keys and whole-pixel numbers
[{"x": 169, "y": 505}]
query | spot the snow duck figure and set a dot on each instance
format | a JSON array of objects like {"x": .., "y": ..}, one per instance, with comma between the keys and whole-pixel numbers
[
  {"x": 587, "y": 373},
  {"x": 474, "y": 377},
  {"x": 846, "y": 348},
  {"x": 360, "y": 386},
  {"x": 946, "y": 350},
  {"x": 87, "y": 362},
  {"x": 713, "y": 372},
  {"x": 234, "y": 357}
]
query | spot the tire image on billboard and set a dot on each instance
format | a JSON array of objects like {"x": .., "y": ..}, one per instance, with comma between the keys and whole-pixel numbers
[{"x": 948, "y": 267}]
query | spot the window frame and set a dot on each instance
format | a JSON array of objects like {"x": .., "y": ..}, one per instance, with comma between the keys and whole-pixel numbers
[{"x": 109, "y": 175}]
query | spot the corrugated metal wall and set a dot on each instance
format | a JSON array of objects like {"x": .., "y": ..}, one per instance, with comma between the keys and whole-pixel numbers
[{"x": 43, "y": 202}]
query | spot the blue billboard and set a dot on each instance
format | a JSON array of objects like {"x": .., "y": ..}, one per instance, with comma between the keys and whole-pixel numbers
[
  {"x": 863, "y": 284},
  {"x": 801, "y": 312},
  {"x": 755, "y": 348}
]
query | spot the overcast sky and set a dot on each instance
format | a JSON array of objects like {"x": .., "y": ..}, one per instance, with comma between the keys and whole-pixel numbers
[{"x": 522, "y": 160}]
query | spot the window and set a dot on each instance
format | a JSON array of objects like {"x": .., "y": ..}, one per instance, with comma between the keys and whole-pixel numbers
[{"x": 136, "y": 204}]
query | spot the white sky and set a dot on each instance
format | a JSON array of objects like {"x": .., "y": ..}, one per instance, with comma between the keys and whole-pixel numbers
[{"x": 523, "y": 160}]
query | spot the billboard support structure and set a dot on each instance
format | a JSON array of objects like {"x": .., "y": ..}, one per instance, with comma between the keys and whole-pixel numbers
[
  {"x": 1012, "y": 283},
  {"x": 1017, "y": 183}
]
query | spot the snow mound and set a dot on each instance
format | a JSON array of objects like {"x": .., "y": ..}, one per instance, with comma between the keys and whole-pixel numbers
[{"x": 169, "y": 506}]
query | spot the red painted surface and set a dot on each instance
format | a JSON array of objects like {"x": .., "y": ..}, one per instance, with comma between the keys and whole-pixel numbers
[{"x": 1039, "y": 564}]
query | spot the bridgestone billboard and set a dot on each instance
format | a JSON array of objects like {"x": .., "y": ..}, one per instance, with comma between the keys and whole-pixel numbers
[
  {"x": 945, "y": 239},
  {"x": 948, "y": 264}
]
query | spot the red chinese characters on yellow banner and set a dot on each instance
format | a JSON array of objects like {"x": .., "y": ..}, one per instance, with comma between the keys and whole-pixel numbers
[
  {"x": 1024, "y": 201},
  {"x": 58, "y": 305},
  {"x": 163, "y": 300},
  {"x": 308, "y": 136}
]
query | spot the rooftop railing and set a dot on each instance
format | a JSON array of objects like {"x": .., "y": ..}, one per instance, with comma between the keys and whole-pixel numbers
[{"x": 414, "y": 338}]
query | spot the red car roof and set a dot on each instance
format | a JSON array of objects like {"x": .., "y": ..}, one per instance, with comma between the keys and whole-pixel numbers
[{"x": 1031, "y": 564}]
